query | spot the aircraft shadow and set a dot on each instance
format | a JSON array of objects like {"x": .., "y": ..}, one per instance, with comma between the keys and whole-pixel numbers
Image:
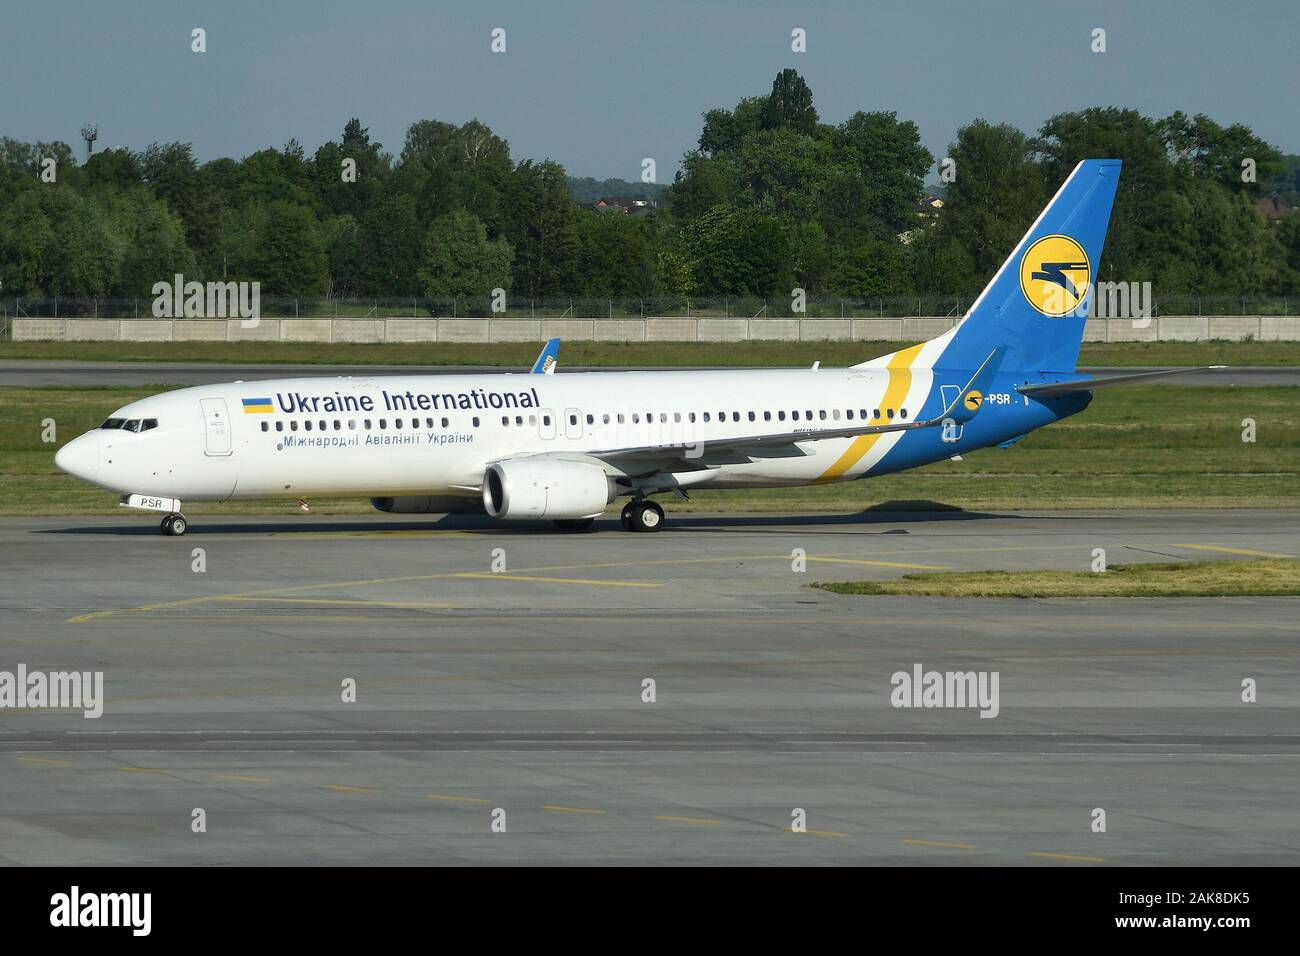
[{"x": 878, "y": 519}]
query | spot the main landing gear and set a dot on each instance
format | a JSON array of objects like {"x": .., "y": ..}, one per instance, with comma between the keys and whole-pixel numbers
[
  {"x": 174, "y": 525},
  {"x": 642, "y": 514}
]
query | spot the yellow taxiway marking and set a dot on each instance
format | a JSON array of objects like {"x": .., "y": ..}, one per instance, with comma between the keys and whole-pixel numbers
[
  {"x": 241, "y": 778},
  {"x": 339, "y": 788},
  {"x": 349, "y": 602},
  {"x": 507, "y": 576},
  {"x": 940, "y": 843},
  {"x": 881, "y": 564},
  {"x": 44, "y": 761},
  {"x": 1070, "y": 856},
  {"x": 829, "y": 833},
  {"x": 450, "y": 799},
  {"x": 558, "y": 809},
  {"x": 143, "y": 770},
  {"x": 1245, "y": 551},
  {"x": 701, "y": 821}
]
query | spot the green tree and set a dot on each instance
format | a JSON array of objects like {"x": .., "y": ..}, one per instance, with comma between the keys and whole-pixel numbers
[{"x": 460, "y": 260}]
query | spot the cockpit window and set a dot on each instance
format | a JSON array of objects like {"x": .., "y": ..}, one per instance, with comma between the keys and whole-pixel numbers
[
  {"x": 148, "y": 423},
  {"x": 113, "y": 423},
  {"x": 133, "y": 425}
]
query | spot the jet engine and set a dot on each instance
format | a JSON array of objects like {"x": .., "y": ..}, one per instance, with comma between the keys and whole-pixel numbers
[
  {"x": 428, "y": 504},
  {"x": 540, "y": 488}
]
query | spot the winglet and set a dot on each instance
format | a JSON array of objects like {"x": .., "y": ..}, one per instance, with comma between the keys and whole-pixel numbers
[
  {"x": 548, "y": 358},
  {"x": 971, "y": 398}
]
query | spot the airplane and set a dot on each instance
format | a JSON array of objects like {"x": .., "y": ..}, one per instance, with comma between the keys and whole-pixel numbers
[
  {"x": 548, "y": 358},
  {"x": 564, "y": 447}
]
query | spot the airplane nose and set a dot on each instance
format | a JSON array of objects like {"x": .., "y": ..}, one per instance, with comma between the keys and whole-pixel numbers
[{"x": 79, "y": 457}]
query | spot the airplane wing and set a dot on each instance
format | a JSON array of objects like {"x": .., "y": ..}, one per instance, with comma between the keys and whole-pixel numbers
[
  {"x": 547, "y": 359},
  {"x": 699, "y": 453},
  {"x": 1053, "y": 389}
]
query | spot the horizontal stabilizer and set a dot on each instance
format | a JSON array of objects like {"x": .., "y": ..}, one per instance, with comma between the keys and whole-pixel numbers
[{"x": 1053, "y": 389}]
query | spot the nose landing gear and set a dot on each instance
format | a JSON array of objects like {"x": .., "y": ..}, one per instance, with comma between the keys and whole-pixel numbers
[{"x": 174, "y": 525}]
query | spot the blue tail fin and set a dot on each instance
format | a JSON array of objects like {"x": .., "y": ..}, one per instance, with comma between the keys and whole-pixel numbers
[{"x": 1038, "y": 302}]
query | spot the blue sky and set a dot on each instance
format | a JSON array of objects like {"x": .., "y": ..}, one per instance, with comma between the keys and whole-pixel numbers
[{"x": 600, "y": 85}]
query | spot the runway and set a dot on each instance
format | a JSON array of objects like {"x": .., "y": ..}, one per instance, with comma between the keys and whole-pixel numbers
[
  {"x": 500, "y": 673},
  {"x": 36, "y": 372}
]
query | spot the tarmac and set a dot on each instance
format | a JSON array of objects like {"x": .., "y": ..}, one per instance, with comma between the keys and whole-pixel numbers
[{"x": 503, "y": 713}]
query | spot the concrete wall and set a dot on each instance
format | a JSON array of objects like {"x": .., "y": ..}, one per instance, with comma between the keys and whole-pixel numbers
[{"x": 1169, "y": 328}]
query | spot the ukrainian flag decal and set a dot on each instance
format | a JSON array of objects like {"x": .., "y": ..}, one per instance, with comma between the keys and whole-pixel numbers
[{"x": 258, "y": 406}]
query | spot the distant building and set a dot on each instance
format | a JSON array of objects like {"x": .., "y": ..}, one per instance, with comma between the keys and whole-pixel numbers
[
  {"x": 1274, "y": 208},
  {"x": 929, "y": 207},
  {"x": 626, "y": 205}
]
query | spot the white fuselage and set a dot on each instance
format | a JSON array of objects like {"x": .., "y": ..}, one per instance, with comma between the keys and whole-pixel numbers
[{"x": 435, "y": 434}]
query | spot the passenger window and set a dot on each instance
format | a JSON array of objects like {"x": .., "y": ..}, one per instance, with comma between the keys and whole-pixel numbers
[
  {"x": 902, "y": 413},
  {"x": 532, "y": 420},
  {"x": 636, "y": 418},
  {"x": 889, "y": 412},
  {"x": 293, "y": 426},
  {"x": 279, "y": 426},
  {"x": 324, "y": 425},
  {"x": 822, "y": 414},
  {"x": 397, "y": 423},
  {"x": 767, "y": 416},
  {"x": 519, "y": 419},
  {"x": 366, "y": 424},
  {"x": 794, "y": 415},
  {"x": 690, "y": 417},
  {"x": 620, "y": 418},
  {"x": 849, "y": 414},
  {"x": 864, "y": 414},
  {"x": 476, "y": 421},
  {"x": 546, "y": 419},
  {"x": 505, "y": 420},
  {"x": 677, "y": 417},
  {"x": 751, "y": 416},
  {"x": 735, "y": 416},
  {"x": 706, "y": 416},
  {"x": 444, "y": 423},
  {"x": 383, "y": 424},
  {"x": 807, "y": 413},
  {"x": 875, "y": 413},
  {"x": 604, "y": 419},
  {"x": 266, "y": 426},
  {"x": 573, "y": 419},
  {"x": 835, "y": 414},
  {"x": 352, "y": 424},
  {"x": 780, "y": 416}
]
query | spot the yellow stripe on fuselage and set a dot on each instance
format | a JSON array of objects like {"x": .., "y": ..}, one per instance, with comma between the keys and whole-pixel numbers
[{"x": 900, "y": 381}]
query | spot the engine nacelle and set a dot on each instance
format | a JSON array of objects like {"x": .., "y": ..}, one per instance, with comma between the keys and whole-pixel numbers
[
  {"x": 540, "y": 488},
  {"x": 428, "y": 504}
]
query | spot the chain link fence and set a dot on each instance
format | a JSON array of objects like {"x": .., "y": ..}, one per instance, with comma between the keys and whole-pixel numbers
[{"x": 481, "y": 307}]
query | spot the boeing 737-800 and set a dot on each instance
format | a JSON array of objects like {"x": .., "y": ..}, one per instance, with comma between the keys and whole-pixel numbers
[{"x": 562, "y": 447}]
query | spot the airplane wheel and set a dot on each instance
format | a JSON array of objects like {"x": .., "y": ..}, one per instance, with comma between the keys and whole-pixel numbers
[
  {"x": 574, "y": 524},
  {"x": 174, "y": 526},
  {"x": 626, "y": 515},
  {"x": 647, "y": 516}
]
